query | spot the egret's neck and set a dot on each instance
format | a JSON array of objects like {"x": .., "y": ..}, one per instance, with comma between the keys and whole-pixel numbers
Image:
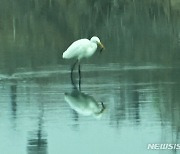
[
  {"x": 90, "y": 50},
  {"x": 93, "y": 48},
  {"x": 94, "y": 45}
]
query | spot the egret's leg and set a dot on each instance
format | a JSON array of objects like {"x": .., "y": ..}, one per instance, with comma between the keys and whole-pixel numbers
[
  {"x": 79, "y": 77},
  {"x": 72, "y": 68}
]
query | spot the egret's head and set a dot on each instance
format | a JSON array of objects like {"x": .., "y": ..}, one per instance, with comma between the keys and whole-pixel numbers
[{"x": 95, "y": 39}]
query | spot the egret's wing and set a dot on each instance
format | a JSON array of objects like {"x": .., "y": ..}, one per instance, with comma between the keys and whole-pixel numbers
[{"x": 76, "y": 49}]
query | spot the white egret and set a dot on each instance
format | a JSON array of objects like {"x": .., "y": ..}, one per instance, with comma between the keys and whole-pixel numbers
[{"x": 82, "y": 48}]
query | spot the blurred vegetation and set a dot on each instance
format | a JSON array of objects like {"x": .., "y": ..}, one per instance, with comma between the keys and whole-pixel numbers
[{"x": 36, "y": 32}]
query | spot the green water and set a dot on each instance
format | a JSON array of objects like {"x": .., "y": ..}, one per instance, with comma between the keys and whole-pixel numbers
[{"x": 136, "y": 78}]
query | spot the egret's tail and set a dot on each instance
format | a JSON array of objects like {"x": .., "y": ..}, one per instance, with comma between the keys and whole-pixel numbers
[{"x": 66, "y": 55}]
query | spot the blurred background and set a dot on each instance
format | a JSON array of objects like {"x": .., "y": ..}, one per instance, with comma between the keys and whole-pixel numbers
[
  {"x": 35, "y": 32},
  {"x": 137, "y": 77}
]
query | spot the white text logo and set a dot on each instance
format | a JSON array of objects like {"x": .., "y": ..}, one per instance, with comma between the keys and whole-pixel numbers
[{"x": 163, "y": 146}]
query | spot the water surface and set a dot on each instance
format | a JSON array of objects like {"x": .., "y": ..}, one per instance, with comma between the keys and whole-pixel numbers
[{"x": 141, "y": 107}]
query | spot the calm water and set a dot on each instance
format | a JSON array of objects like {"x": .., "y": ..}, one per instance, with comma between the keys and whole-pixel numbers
[
  {"x": 130, "y": 94},
  {"x": 141, "y": 107}
]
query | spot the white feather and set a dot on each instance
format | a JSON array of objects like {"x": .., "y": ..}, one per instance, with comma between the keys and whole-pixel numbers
[{"x": 82, "y": 48}]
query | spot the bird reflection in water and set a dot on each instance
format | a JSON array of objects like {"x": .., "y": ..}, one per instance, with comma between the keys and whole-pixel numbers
[{"x": 82, "y": 103}]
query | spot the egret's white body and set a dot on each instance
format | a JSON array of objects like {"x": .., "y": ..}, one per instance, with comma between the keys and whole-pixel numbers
[{"x": 82, "y": 48}]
